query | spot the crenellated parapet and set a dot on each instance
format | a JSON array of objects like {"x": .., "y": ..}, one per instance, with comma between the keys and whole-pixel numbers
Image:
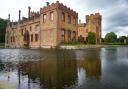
[
  {"x": 58, "y": 5},
  {"x": 93, "y": 18}
]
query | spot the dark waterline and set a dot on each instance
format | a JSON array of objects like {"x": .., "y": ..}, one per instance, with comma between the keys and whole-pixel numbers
[{"x": 100, "y": 68}]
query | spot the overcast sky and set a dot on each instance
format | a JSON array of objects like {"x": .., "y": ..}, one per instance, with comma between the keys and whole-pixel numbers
[{"x": 114, "y": 12}]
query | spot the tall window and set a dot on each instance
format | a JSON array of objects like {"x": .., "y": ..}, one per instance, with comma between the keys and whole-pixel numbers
[
  {"x": 69, "y": 35},
  {"x": 69, "y": 19},
  {"x": 74, "y": 36},
  {"x": 11, "y": 39},
  {"x": 51, "y": 16},
  {"x": 36, "y": 37},
  {"x": 44, "y": 18},
  {"x": 30, "y": 28},
  {"x": 62, "y": 35},
  {"x": 74, "y": 21},
  {"x": 22, "y": 32},
  {"x": 87, "y": 30},
  {"x": 31, "y": 37},
  {"x": 63, "y": 16}
]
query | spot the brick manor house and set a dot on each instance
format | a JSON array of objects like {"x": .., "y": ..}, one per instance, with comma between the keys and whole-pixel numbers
[{"x": 53, "y": 24}]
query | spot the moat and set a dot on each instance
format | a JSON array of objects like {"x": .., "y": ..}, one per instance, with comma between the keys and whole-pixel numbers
[{"x": 96, "y": 68}]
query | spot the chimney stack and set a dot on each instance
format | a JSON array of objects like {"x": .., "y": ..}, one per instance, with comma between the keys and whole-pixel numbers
[
  {"x": 19, "y": 15},
  {"x": 29, "y": 11},
  {"x": 9, "y": 17},
  {"x": 47, "y": 3}
]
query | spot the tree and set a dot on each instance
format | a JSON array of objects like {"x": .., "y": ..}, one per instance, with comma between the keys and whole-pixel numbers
[
  {"x": 102, "y": 40},
  {"x": 122, "y": 39},
  {"x": 127, "y": 40},
  {"x": 91, "y": 39},
  {"x": 3, "y": 24},
  {"x": 110, "y": 37}
]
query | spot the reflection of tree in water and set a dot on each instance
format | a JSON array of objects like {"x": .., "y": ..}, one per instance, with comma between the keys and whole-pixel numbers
[
  {"x": 57, "y": 70},
  {"x": 91, "y": 63},
  {"x": 1, "y": 66},
  {"x": 7, "y": 66}
]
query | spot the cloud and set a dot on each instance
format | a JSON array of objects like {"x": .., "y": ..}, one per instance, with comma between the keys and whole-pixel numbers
[
  {"x": 114, "y": 13},
  {"x": 115, "y": 18}
]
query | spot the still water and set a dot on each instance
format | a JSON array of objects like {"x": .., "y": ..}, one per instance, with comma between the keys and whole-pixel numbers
[{"x": 100, "y": 68}]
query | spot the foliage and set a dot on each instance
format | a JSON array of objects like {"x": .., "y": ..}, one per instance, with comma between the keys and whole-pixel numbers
[
  {"x": 122, "y": 39},
  {"x": 71, "y": 43},
  {"x": 91, "y": 39},
  {"x": 110, "y": 37},
  {"x": 3, "y": 24},
  {"x": 81, "y": 39},
  {"x": 102, "y": 40}
]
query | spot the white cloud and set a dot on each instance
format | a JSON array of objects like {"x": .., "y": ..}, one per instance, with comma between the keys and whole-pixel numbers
[
  {"x": 113, "y": 12},
  {"x": 123, "y": 31}
]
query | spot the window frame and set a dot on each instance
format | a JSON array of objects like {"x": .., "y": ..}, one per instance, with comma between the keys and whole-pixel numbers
[
  {"x": 31, "y": 37},
  {"x": 51, "y": 16},
  {"x": 74, "y": 20},
  {"x": 63, "y": 16},
  {"x": 63, "y": 35},
  {"x": 69, "y": 19},
  {"x": 36, "y": 37},
  {"x": 44, "y": 17}
]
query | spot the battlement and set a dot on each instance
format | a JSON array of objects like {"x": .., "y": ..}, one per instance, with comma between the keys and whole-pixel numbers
[
  {"x": 58, "y": 5},
  {"x": 92, "y": 17},
  {"x": 35, "y": 15}
]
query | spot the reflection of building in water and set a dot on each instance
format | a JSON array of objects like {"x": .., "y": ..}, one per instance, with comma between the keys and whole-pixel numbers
[
  {"x": 92, "y": 67},
  {"x": 91, "y": 64},
  {"x": 53, "y": 72}
]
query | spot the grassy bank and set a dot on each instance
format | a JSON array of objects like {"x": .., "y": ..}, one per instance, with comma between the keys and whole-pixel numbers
[
  {"x": 2, "y": 45},
  {"x": 76, "y": 45},
  {"x": 89, "y": 46},
  {"x": 83, "y": 44}
]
